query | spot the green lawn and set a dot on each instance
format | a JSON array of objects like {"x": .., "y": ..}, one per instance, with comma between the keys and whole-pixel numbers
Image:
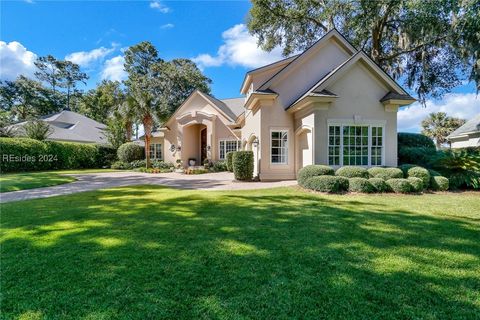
[
  {"x": 151, "y": 253},
  {"x": 31, "y": 180}
]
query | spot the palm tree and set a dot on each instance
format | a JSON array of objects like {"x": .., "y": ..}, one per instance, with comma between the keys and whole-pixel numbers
[{"x": 438, "y": 126}]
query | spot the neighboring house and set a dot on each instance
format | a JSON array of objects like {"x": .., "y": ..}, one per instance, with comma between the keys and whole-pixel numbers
[
  {"x": 467, "y": 135},
  {"x": 328, "y": 105},
  {"x": 72, "y": 127}
]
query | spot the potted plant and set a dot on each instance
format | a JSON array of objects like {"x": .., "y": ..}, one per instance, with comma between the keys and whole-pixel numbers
[
  {"x": 192, "y": 162},
  {"x": 179, "y": 168}
]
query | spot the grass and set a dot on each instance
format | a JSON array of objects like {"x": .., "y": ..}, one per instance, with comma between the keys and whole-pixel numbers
[
  {"x": 32, "y": 180},
  {"x": 157, "y": 253}
]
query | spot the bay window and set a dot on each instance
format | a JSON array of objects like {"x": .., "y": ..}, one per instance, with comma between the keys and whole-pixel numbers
[{"x": 355, "y": 145}]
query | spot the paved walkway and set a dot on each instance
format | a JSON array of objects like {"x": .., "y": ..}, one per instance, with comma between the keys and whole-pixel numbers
[{"x": 94, "y": 181}]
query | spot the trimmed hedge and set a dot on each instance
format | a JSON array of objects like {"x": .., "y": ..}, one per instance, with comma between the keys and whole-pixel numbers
[
  {"x": 331, "y": 184},
  {"x": 219, "y": 166},
  {"x": 352, "y": 172},
  {"x": 386, "y": 173},
  {"x": 439, "y": 183},
  {"x": 360, "y": 185},
  {"x": 242, "y": 162},
  {"x": 23, "y": 154},
  {"x": 406, "y": 139},
  {"x": 399, "y": 185},
  {"x": 416, "y": 183},
  {"x": 313, "y": 171},
  {"x": 106, "y": 156},
  {"x": 373, "y": 171},
  {"x": 419, "y": 172},
  {"x": 405, "y": 168},
  {"x": 379, "y": 185},
  {"x": 229, "y": 161},
  {"x": 130, "y": 151},
  {"x": 416, "y": 155}
]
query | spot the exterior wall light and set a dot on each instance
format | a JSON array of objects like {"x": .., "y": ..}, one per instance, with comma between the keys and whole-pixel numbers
[
  {"x": 179, "y": 148},
  {"x": 255, "y": 142},
  {"x": 172, "y": 148},
  {"x": 208, "y": 148}
]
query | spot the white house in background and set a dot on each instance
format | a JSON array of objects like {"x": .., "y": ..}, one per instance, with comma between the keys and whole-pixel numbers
[
  {"x": 328, "y": 105},
  {"x": 71, "y": 127},
  {"x": 467, "y": 135}
]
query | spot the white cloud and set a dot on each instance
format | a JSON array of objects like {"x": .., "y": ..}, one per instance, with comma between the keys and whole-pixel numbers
[
  {"x": 15, "y": 60},
  {"x": 157, "y": 5},
  {"x": 460, "y": 105},
  {"x": 167, "y": 26},
  {"x": 113, "y": 69},
  {"x": 85, "y": 58},
  {"x": 239, "y": 48}
]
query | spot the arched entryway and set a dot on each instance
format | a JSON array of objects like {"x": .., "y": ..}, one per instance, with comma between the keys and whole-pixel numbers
[
  {"x": 304, "y": 152},
  {"x": 195, "y": 144}
]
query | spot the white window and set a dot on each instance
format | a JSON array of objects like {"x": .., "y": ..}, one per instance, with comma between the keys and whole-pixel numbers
[
  {"x": 156, "y": 151},
  {"x": 228, "y": 146},
  {"x": 355, "y": 145},
  {"x": 279, "y": 147}
]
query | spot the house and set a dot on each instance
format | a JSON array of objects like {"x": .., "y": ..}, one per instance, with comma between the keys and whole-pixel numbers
[
  {"x": 328, "y": 105},
  {"x": 467, "y": 135},
  {"x": 72, "y": 127}
]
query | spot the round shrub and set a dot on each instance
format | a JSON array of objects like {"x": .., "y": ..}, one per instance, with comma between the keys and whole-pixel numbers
[
  {"x": 389, "y": 173},
  {"x": 120, "y": 165},
  {"x": 313, "y": 171},
  {"x": 229, "y": 161},
  {"x": 405, "y": 168},
  {"x": 332, "y": 184},
  {"x": 434, "y": 173},
  {"x": 130, "y": 151},
  {"x": 360, "y": 185},
  {"x": 406, "y": 139},
  {"x": 439, "y": 183},
  {"x": 416, "y": 183},
  {"x": 242, "y": 162},
  {"x": 373, "y": 171},
  {"x": 399, "y": 185},
  {"x": 419, "y": 172},
  {"x": 219, "y": 166},
  {"x": 379, "y": 185},
  {"x": 352, "y": 172}
]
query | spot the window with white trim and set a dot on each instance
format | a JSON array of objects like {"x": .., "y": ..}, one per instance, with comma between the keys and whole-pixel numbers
[
  {"x": 279, "y": 147},
  {"x": 355, "y": 145},
  {"x": 226, "y": 146},
  {"x": 156, "y": 151}
]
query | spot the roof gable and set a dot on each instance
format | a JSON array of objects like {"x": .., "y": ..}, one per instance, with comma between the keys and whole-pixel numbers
[
  {"x": 332, "y": 34},
  {"x": 472, "y": 125}
]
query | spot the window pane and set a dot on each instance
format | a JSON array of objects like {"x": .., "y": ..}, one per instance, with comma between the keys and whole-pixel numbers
[{"x": 279, "y": 146}]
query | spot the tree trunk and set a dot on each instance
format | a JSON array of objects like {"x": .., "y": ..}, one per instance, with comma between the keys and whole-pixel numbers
[
  {"x": 68, "y": 98},
  {"x": 147, "y": 126},
  {"x": 128, "y": 130}
]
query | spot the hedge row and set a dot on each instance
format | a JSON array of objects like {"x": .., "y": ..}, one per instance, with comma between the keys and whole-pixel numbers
[
  {"x": 378, "y": 179},
  {"x": 23, "y": 154}
]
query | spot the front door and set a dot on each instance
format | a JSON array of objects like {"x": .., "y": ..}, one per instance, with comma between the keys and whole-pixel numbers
[{"x": 203, "y": 145}]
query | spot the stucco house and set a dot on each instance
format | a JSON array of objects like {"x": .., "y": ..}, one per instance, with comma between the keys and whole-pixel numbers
[
  {"x": 467, "y": 135},
  {"x": 330, "y": 105}
]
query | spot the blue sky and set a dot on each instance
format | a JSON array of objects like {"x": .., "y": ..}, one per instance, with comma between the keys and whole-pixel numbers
[{"x": 213, "y": 33}]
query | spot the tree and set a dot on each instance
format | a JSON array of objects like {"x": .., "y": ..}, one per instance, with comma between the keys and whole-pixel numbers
[
  {"x": 48, "y": 70},
  {"x": 37, "y": 129},
  {"x": 69, "y": 75},
  {"x": 140, "y": 64},
  {"x": 100, "y": 102},
  {"x": 438, "y": 126},
  {"x": 433, "y": 44},
  {"x": 116, "y": 133}
]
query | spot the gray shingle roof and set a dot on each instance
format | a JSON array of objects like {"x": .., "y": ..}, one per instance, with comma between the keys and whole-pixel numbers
[
  {"x": 472, "y": 125},
  {"x": 396, "y": 96},
  {"x": 71, "y": 126},
  {"x": 231, "y": 107}
]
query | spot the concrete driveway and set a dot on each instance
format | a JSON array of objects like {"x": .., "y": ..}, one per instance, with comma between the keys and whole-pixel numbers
[{"x": 94, "y": 181}]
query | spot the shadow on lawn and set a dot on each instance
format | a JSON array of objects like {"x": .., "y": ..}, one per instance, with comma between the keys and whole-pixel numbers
[{"x": 127, "y": 253}]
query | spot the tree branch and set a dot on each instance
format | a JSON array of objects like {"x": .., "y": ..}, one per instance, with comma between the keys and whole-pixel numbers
[{"x": 417, "y": 47}]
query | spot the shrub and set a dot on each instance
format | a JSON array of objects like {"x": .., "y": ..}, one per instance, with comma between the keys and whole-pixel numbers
[
  {"x": 130, "y": 151},
  {"x": 159, "y": 164},
  {"x": 219, "y": 166},
  {"x": 405, "y": 167},
  {"x": 332, "y": 184},
  {"x": 439, "y": 183},
  {"x": 373, "y": 171},
  {"x": 229, "y": 161},
  {"x": 415, "y": 155},
  {"x": 312, "y": 171},
  {"x": 242, "y": 162},
  {"x": 419, "y": 172},
  {"x": 120, "y": 165},
  {"x": 461, "y": 166},
  {"x": 406, "y": 139},
  {"x": 23, "y": 154},
  {"x": 379, "y": 185},
  {"x": 106, "y": 156},
  {"x": 399, "y": 185},
  {"x": 416, "y": 183},
  {"x": 360, "y": 185},
  {"x": 352, "y": 172},
  {"x": 388, "y": 173},
  {"x": 138, "y": 164}
]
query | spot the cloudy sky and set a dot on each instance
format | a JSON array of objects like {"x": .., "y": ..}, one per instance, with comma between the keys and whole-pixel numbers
[{"x": 213, "y": 34}]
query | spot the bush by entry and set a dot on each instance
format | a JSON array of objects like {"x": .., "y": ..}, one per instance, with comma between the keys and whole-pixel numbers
[{"x": 242, "y": 163}]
